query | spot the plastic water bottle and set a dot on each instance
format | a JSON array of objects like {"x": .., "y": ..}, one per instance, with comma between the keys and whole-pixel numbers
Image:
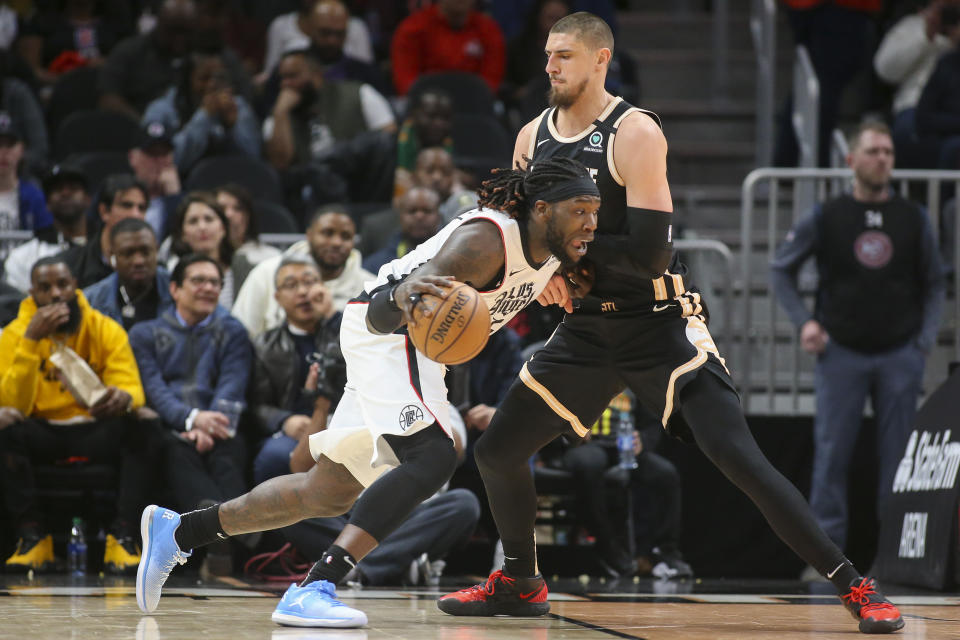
[
  {"x": 625, "y": 440},
  {"x": 77, "y": 550}
]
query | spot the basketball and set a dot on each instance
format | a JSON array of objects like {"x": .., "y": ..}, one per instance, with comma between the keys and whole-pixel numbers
[{"x": 458, "y": 329}]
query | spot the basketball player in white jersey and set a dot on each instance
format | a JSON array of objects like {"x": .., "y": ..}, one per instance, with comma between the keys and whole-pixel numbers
[{"x": 389, "y": 435}]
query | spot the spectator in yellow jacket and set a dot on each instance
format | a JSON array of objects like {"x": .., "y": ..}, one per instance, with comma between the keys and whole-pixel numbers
[{"x": 58, "y": 426}]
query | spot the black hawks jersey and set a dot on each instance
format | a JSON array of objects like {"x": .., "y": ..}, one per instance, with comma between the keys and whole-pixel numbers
[{"x": 593, "y": 147}]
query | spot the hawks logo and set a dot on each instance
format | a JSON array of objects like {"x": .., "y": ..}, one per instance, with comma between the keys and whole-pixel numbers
[
  {"x": 873, "y": 249},
  {"x": 410, "y": 414}
]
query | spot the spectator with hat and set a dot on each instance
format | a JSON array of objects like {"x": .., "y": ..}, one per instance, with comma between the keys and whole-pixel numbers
[
  {"x": 152, "y": 162},
  {"x": 22, "y": 205},
  {"x": 121, "y": 196},
  {"x": 68, "y": 198}
]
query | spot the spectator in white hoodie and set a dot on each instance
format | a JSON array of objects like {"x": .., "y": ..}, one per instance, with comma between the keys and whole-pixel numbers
[{"x": 331, "y": 235}]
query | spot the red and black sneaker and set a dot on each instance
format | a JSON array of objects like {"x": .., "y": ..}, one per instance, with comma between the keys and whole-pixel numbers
[
  {"x": 875, "y": 613},
  {"x": 500, "y": 595}
]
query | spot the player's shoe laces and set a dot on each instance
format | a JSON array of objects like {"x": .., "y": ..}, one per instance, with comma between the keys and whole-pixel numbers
[
  {"x": 500, "y": 595},
  {"x": 316, "y": 605},
  {"x": 161, "y": 554},
  {"x": 875, "y": 613}
]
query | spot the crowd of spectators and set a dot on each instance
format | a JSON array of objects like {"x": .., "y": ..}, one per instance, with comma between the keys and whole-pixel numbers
[
  {"x": 357, "y": 129},
  {"x": 145, "y": 147}
]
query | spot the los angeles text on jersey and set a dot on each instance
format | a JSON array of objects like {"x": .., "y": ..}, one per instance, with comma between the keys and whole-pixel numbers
[{"x": 511, "y": 301}]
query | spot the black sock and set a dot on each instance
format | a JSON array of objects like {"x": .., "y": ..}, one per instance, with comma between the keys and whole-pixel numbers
[
  {"x": 843, "y": 575},
  {"x": 520, "y": 557},
  {"x": 199, "y": 527},
  {"x": 332, "y": 567}
]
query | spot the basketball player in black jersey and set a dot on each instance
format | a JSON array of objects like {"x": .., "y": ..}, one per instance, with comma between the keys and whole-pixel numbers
[{"x": 640, "y": 327}]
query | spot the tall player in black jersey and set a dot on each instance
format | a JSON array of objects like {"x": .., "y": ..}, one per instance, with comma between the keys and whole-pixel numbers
[{"x": 640, "y": 327}]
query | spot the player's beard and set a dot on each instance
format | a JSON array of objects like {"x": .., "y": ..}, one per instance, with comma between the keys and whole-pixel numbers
[
  {"x": 565, "y": 99},
  {"x": 557, "y": 246}
]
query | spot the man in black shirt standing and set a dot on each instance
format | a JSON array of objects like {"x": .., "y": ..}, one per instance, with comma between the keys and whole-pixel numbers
[
  {"x": 632, "y": 321},
  {"x": 876, "y": 317}
]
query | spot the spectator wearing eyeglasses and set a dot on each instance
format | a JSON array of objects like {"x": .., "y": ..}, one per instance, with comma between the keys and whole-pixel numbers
[
  {"x": 68, "y": 198},
  {"x": 190, "y": 358},
  {"x": 122, "y": 196},
  {"x": 282, "y": 358},
  {"x": 139, "y": 289},
  {"x": 200, "y": 225}
]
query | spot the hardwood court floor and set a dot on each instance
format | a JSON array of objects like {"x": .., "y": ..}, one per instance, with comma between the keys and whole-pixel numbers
[{"x": 54, "y": 608}]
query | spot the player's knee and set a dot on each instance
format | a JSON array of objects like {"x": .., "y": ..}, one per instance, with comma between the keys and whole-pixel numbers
[
  {"x": 483, "y": 456},
  {"x": 431, "y": 460},
  {"x": 443, "y": 456}
]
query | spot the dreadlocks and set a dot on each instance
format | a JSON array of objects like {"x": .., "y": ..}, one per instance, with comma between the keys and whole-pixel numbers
[{"x": 509, "y": 189}]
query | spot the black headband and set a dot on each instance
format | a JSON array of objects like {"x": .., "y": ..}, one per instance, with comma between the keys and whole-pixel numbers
[{"x": 581, "y": 186}]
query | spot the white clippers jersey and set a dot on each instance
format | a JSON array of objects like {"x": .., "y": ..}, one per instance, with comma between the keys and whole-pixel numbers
[{"x": 521, "y": 282}]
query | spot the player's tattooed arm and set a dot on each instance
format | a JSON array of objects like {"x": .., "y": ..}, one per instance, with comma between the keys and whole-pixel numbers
[{"x": 472, "y": 254}]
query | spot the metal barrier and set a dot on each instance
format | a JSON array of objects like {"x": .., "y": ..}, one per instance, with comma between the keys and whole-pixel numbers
[
  {"x": 823, "y": 183},
  {"x": 839, "y": 148},
  {"x": 281, "y": 240},
  {"x": 763, "y": 28},
  {"x": 723, "y": 338},
  {"x": 806, "y": 121}
]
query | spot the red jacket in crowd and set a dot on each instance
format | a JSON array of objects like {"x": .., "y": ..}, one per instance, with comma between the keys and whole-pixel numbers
[{"x": 425, "y": 42}]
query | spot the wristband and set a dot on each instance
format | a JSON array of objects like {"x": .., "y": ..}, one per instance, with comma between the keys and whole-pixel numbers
[{"x": 391, "y": 301}]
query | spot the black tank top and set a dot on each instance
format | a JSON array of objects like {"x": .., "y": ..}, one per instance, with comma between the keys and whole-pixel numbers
[{"x": 593, "y": 147}]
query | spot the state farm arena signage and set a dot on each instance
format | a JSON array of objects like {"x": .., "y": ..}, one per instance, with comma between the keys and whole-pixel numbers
[{"x": 918, "y": 533}]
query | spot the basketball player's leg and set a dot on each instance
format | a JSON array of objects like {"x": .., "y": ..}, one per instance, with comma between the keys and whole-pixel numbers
[
  {"x": 328, "y": 489},
  {"x": 561, "y": 389},
  {"x": 715, "y": 417},
  {"x": 427, "y": 460},
  {"x": 521, "y": 426}
]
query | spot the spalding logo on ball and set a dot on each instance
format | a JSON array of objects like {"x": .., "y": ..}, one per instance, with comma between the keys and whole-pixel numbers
[{"x": 458, "y": 329}]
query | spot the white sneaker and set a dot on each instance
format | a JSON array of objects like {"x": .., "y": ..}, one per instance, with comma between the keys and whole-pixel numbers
[{"x": 316, "y": 605}]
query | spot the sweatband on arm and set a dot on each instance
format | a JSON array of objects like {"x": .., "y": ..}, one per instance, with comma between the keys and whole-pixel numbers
[
  {"x": 645, "y": 250},
  {"x": 383, "y": 314}
]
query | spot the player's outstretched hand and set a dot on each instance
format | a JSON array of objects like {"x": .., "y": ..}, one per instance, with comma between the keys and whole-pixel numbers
[
  {"x": 556, "y": 292},
  {"x": 407, "y": 294}
]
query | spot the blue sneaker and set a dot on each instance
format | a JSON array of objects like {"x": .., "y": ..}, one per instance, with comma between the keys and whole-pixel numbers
[
  {"x": 160, "y": 554},
  {"x": 316, "y": 605}
]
